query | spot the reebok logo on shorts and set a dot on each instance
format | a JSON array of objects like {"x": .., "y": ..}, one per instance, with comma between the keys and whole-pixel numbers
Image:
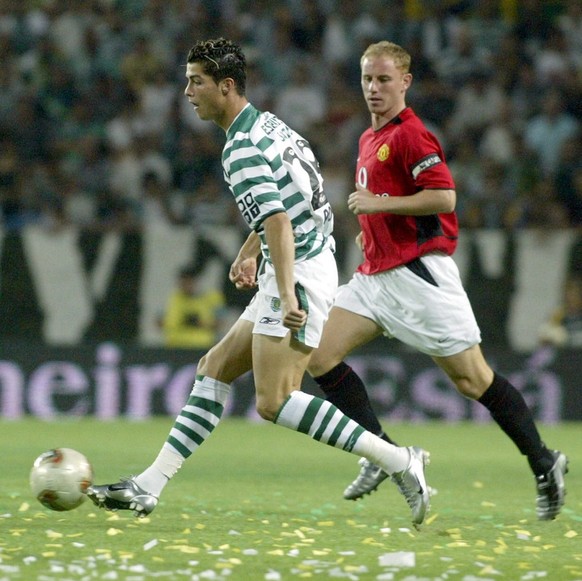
[{"x": 269, "y": 321}]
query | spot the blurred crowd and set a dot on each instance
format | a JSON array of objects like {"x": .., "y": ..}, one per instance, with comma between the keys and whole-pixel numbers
[{"x": 95, "y": 130}]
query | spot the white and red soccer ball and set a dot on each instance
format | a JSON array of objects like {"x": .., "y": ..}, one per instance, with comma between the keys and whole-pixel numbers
[{"x": 60, "y": 477}]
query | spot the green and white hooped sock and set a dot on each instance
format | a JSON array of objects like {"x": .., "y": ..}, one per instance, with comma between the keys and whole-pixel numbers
[
  {"x": 193, "y": 425},
  {"x": 327, "y": 424}
]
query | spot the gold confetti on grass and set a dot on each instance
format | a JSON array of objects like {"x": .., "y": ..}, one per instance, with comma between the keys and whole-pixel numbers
[
  {"x": 571, "y": 534},
  {"x": 453, "y": 531},
  {"x": 457, "y": 544},
  {"x": 372, "y": 542},
  {"x": 187, "y": 549},
  {"x": 23, "y": 507},
  {"x": 489, "y": 570},
  {"x": 111, "y": 532},
  {"x": 355, "y": 569}
]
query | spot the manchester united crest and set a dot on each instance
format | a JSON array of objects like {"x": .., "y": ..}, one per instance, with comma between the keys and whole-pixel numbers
[{"x": 383, "y": 153}]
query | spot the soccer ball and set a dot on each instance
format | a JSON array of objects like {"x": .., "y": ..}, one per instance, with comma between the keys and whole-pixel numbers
[{"x": 60, "y": 477}]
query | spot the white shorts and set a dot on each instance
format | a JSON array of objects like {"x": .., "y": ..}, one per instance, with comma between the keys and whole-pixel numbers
[
  {"x": 316, "y": 283},
  {"x": 422, "y": 304}
]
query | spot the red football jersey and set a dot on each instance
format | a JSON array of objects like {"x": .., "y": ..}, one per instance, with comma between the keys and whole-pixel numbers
[{"x": 400, "y": 159}]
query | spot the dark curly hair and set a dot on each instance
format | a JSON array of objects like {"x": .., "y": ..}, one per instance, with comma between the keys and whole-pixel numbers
[{"x": 221, "y": 58}]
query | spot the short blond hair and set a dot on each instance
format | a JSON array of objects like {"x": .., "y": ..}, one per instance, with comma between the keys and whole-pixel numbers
[{"x": 386, "y": 48}]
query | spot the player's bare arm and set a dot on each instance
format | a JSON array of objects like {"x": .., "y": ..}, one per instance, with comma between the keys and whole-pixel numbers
[
  {"x": 280, "y": 240},
  {"x": 423, "y": 203},
  {"x": 243, "y": 271}
]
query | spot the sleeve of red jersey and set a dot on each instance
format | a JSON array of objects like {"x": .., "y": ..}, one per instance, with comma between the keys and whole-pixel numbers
[{"x": 426, "y": 163}]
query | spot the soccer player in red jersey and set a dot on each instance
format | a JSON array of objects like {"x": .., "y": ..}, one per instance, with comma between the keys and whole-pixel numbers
[{"x": 408, "y": 286}]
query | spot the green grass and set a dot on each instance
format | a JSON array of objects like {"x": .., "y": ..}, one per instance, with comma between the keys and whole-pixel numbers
[{"x": 260, "y": 502}]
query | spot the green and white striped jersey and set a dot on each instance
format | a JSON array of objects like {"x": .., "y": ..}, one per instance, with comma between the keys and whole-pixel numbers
[{"x": 269, "y": 169}]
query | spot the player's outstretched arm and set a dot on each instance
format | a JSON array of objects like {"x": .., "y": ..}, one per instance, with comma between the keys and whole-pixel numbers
[{"x": 423, "y": 203}]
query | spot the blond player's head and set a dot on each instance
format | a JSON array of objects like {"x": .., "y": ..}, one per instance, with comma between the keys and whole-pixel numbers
[{"x": 389, "y": 49}]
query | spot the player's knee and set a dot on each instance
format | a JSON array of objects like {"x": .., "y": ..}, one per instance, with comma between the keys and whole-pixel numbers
[
  {"x": 266, "y": 412},
  {"x": 211, "y": 364},
  {"x": 470, "y": 388},
  {"x": 202, "y": 367},
  {"x": 319, "y": 364},
  {"x": 268, "y": 408}
]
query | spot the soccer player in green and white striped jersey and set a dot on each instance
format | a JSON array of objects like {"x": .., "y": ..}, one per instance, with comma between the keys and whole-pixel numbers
[
  {"x": 278, "y": 188},
  {"x": 270, "y": 168}
]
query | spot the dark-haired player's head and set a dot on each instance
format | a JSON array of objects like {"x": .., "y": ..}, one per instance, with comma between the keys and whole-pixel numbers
[{"x": 219, "y": 59}]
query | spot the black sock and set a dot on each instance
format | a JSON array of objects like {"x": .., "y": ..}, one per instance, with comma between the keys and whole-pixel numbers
[
  {"x": 344, "y": 389},
  {"x": 509, "y": 410}
]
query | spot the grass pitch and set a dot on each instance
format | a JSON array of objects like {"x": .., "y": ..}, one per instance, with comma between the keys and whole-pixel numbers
[{"x": 261, "y": 502}]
